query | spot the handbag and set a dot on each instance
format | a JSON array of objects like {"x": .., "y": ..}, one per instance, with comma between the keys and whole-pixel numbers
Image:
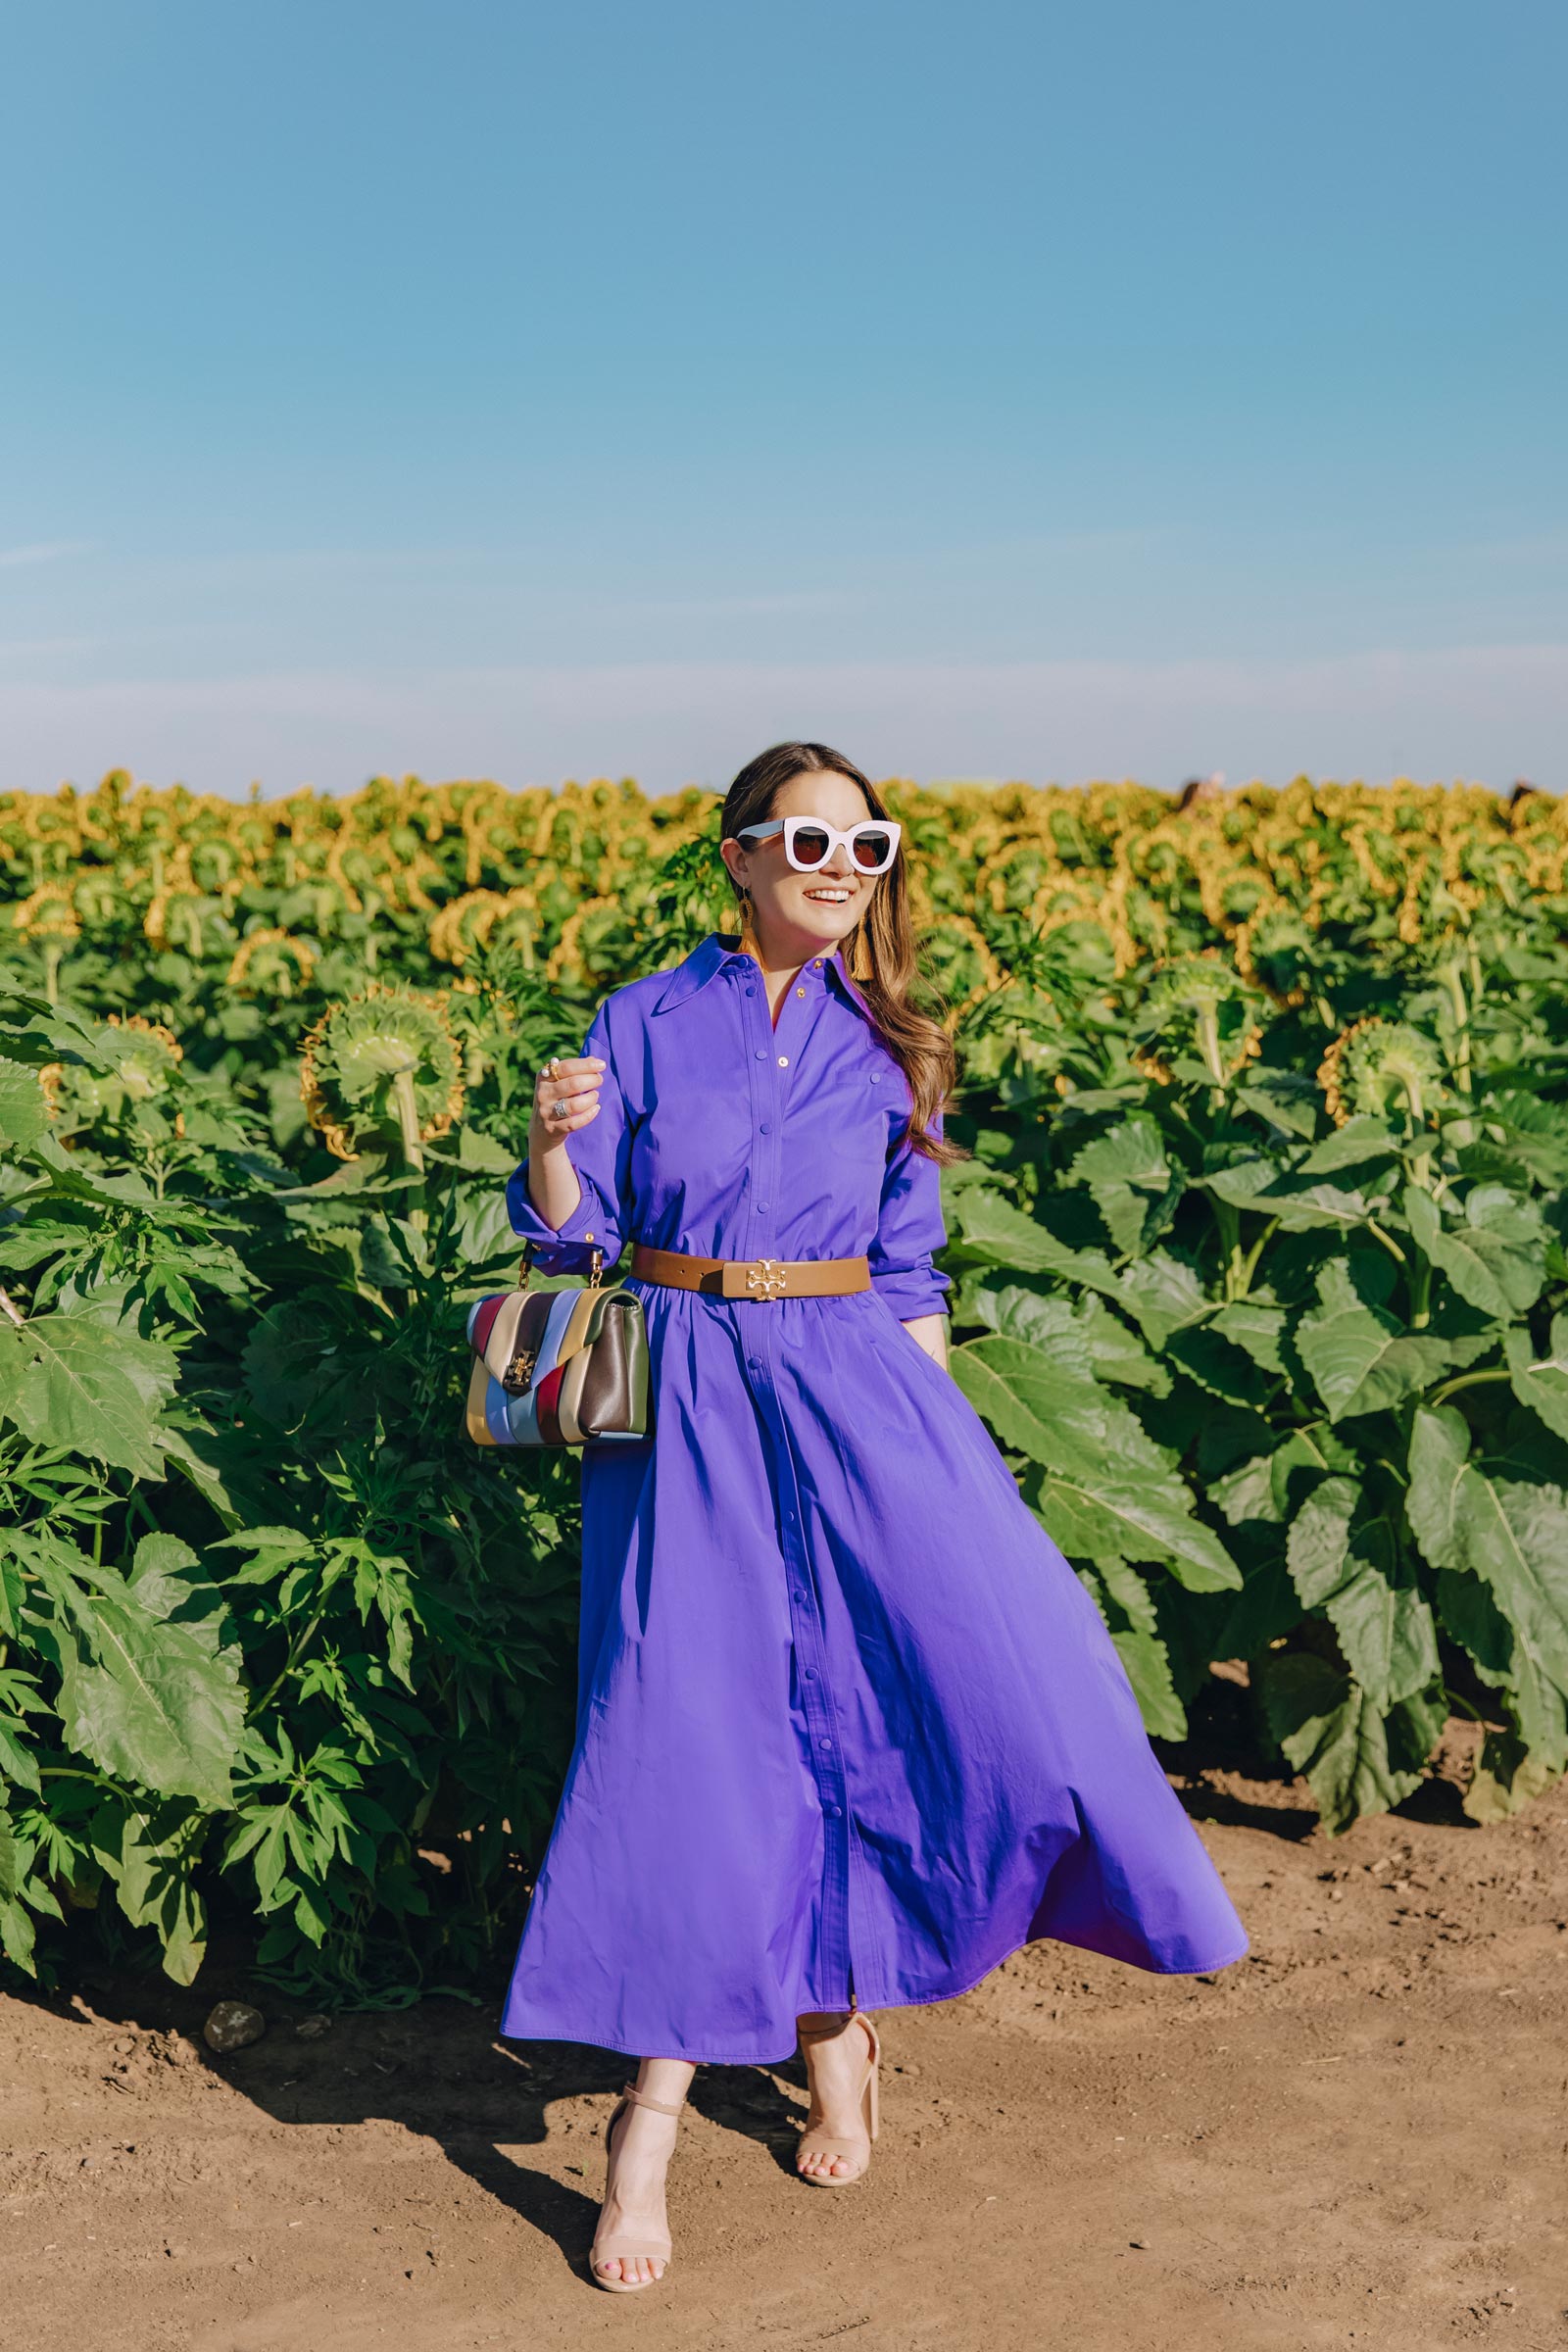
[{"x": 561, "y": 1367}]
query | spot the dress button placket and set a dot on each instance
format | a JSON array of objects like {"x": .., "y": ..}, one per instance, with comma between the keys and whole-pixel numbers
[{"x": 761, "y": 1332}]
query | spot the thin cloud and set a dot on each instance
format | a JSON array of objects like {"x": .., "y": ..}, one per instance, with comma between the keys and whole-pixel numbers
[
  {"x": 268, "y": 563},
  {"x": 1486, "y": 712},
  {"x": 725, "y": 607},
  {"x": 32, "y": 649},
  {"x": 43, "y": 551}
]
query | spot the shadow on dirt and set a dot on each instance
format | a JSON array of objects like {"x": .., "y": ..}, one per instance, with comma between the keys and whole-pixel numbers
[
  {"x": 1202, "y": 1803},
  {"x": 437, "y": 2071},
  {"x": 1228, "y": 1770}
]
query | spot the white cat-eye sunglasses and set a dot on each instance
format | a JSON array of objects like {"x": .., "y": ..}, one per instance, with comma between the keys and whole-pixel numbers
[{"x": 809, "y": 842}]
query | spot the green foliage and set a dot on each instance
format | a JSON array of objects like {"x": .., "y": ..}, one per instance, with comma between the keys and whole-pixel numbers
[
  {"x": 1283, "y": 1366},
  {"x": 1261, "y": 1283},
  {"x": 274, "y": 1640}
]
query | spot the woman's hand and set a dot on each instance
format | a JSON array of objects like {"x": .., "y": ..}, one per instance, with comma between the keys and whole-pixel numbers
[
  {"x": 566, "y": 1094},
  {"x": 930, "y": 1332},
  {"x": 565, "y": 1097}
]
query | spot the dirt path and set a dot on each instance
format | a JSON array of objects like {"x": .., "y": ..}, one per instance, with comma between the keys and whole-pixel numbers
[{"x": 1355, "y": 2137}]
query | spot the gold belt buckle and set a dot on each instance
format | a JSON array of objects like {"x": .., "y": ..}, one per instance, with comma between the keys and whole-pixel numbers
[{"x": 765, "y": 1278}]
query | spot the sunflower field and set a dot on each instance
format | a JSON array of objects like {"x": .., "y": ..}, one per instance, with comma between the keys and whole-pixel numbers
[{"x": 1260, "y": 1283}]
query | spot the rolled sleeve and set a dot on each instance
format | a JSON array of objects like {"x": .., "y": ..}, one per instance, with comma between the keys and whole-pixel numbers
[
  {"x": 909, "y": 1227},
  {"x": 598, "y": 1152}
]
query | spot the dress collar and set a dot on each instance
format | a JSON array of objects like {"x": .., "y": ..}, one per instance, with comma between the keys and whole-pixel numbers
[{"x": 722, "y": 947}]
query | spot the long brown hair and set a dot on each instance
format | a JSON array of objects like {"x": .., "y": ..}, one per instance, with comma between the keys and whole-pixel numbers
[{"x": 916, "y": 1041}]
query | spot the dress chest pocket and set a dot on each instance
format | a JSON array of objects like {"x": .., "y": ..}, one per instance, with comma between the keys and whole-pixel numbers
[{"x": 848, "y": 1117}]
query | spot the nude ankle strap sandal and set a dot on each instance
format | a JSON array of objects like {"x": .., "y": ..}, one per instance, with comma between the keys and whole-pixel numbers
[
  {"x": 621, "y": 2244},
  {"x": 814, "y": 2141}
]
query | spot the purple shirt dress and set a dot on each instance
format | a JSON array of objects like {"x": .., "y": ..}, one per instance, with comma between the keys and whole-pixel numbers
[{"x": 849, "y": 1727}]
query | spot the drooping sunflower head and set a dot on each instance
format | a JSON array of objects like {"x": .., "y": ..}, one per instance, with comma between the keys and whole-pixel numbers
[
  {"x": 96, "y": 900},
  {"x": 381, "y": 1064},
  {"x": 145, "y": 1056},
  {"x": 1276, "y": 947},
  {"x": 48, "y": 914},
  {"x": 1197, "y": 1009},
  {"x": 271, "y": 963},
  {"x": 1377, "y": 1066},
  {"x": 129, "y": 1086},
  {"x": 469, "y": 922}
]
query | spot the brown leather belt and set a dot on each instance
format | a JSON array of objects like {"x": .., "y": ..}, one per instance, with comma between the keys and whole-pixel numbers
[{"x": 752, "y": 1277}]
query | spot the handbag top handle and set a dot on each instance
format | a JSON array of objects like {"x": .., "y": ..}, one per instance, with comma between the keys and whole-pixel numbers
[{"x": 596, "y": 1271}]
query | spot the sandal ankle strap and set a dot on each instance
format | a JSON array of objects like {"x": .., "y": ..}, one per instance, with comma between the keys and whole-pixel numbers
[
  {"x": 831, "y": 2033},
  {"x": 640, "y": 2098}
]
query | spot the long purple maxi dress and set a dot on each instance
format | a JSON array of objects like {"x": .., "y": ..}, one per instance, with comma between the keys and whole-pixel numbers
[{"x": 848, "y": 1724}]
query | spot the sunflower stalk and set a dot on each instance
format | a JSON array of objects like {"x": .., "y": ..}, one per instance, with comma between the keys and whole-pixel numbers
[
  {"x": 1420, "y": 1161},
  {"x": 1420, "y": 1293},
  {"x": 407, "y": 1120},
  {"x": 1463, "y": 1075},
  {"x": 1227, "y": 1217}
]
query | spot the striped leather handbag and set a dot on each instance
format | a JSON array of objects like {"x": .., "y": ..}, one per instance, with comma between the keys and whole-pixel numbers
[{"x": 564, "y": 1368}]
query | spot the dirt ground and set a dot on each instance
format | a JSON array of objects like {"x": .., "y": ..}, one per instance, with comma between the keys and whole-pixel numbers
[{"x": 1354, "y": 2137}]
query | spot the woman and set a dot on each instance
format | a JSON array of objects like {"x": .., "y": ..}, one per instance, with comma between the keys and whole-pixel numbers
[{"x": 850, "y": 1728}]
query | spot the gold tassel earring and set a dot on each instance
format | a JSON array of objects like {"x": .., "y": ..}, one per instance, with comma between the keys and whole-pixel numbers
[{"x": 749, "y": 941}]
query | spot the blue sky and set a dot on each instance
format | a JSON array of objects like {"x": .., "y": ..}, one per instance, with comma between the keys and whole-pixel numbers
[{"x": 996, "y": 390}]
